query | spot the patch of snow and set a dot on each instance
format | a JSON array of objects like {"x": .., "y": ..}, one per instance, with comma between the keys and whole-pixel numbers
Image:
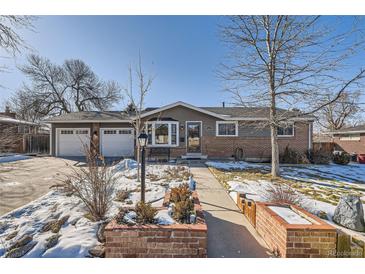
[
  {"x": 289, "y": 215},
  {"x": 125, "y": 164},
  {"x": 13, "y": 158},
  {"x": 78, "y": 234},
  {"x": 163, "y": 217}
]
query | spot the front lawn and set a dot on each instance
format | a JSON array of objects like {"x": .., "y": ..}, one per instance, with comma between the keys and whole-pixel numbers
[
  {"x": 56, "y": 225},
  {"x": 318, "y": 186}
]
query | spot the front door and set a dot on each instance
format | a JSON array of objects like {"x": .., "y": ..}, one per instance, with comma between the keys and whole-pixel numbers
[{"x": 193, "y": 137}]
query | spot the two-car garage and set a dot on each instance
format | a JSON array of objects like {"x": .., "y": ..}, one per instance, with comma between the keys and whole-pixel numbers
[{"x": 113, "y": 142}]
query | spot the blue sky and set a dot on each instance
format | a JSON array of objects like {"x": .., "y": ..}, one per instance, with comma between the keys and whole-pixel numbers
[{"x": 182, "y": 52}]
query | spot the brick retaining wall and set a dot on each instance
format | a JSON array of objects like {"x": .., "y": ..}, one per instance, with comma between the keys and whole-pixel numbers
[
  {"x": 292, "y": 240},
  {"x": 158, "y": 241}
]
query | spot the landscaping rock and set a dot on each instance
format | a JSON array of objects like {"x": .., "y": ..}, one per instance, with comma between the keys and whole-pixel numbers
[
  {"x": 349, "y": 213},
  {"x": 22, "y": 241},
  {"x": 52, "y": 241},
  {"x": 11, "y": 235},
  {"x": 97, "y": 251},
  {"x": 20, "y": 251}
]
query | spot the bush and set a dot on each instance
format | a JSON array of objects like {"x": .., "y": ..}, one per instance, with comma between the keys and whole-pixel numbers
[
  {"x": 281, "y": 193},
  {"x": 177, "y": 173},
  {"x": 341, "y": 158},
  {"x": 93, "y": 184},
  {"x": 182, "y": 210},
  {"x": 145, "y": 213},
  {"x": 184, "y": 206},
  {"x": 319, "y": 157},
  {"x": 122, "y": 195},
  {"x": 180, "y": 193},
  {"x": 291, "y": 156}
]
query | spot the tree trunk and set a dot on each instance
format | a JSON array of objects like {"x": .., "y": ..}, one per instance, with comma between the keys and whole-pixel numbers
[
  {"x": 138, "y": 157},
  {"x": 275, "y": 171}
]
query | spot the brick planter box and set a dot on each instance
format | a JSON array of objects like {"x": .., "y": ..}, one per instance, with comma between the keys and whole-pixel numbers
[
  {"x": 317, "y": 239},
  {"x": 158, "y": 241}
]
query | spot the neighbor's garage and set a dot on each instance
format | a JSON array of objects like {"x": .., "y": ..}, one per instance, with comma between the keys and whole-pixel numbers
[
  {"x": 117, "y": 142},
  {"x": 72, "y": 141}
]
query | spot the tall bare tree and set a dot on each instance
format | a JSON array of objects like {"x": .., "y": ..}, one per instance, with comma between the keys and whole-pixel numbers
[
  {"x": 136, "y": 100},
  {"x": 56, "y": 89},
  {"x": 11, "y": 42},
  {"x": 343, "y": 112},
  {"x": 289, "y": 62}
]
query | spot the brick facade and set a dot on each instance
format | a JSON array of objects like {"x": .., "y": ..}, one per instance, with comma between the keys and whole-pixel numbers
[
  {"x": 292, "y": 240},
  {"x": 356, "y": 147},
  {"x": 253, "y": 140},
  {"x": 158, "y": 241}
]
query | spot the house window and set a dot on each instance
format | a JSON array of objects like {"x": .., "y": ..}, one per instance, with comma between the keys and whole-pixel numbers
[
  {"x": 149, "y": 133},
  {"x": 125, "y": 131},
  {"x": 224, "y": 128},
  {"x": 162, "y": 133},
  {"x": 65, "y": 131},
  {"x": 350, "y": 137},
  {"x": 82, "y": 131},
  {"x": 286, "y": 131},
  {"x": 173, "y": 134},
  {"x": 110, "y": 131}
]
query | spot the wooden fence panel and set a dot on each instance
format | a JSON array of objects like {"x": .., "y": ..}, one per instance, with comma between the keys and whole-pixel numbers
[{"x": 36, "y": 143}]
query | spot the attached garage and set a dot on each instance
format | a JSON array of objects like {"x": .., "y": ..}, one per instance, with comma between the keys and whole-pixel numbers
[
  {"x": 117, "y": 142},
  {"x": 72, "y": 141}
]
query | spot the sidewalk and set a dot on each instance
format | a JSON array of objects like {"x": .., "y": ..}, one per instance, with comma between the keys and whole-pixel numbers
[{"x": 230, "y": 235}]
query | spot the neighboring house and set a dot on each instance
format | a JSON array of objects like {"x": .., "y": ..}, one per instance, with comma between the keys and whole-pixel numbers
[
  {"x": 12, "y": 131},
  {"x": 185, "y": 130},
  {"x": 350, "y": 139}
]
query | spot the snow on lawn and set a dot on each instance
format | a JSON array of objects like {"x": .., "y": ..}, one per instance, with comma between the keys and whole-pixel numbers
[
  {"x": 312, "y": 183},
  {"x": 78, "y": 233},
  {"x": 351, "y": 173},
  {"x": 13, "y": 158}
]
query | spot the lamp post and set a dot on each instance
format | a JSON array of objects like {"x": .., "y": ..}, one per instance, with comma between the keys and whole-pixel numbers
[{"x": 142, "y": 140}]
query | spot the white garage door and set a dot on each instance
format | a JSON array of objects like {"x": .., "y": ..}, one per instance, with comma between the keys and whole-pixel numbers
[
  {"x": 71, "y": 141},
  {"x": 117, "y": 142}
]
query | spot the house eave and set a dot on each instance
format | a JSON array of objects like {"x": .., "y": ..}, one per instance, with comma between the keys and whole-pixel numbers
[
  {"x": 179, "y": 103},
  {"x": 86, "y": 121},
  {"x": 346, "y": 132}
]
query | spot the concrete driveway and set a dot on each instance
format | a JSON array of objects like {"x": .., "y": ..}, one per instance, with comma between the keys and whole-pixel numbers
[{"x": 26, "y": 180}]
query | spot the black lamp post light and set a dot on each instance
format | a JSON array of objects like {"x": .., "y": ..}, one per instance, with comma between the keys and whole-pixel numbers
[{"x": 142, "y": 140}]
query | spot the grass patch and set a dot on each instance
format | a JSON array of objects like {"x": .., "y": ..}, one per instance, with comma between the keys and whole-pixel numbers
[{"x": 330, "y": 194}]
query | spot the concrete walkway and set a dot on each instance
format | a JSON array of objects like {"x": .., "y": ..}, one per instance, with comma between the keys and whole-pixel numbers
[{"x": 230, "y": 235}]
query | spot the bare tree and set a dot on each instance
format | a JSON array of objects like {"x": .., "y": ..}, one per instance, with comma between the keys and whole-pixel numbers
[
  {"x": 56, "y": 89},
  {"x": 289, "y": 62},
  {"x": 136, "y": 101},
  {"x": 10, "y": 39},
  {"x": 340, "y": 113}
]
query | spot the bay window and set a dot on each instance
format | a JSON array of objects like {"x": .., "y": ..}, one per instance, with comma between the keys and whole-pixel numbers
[{"x": 161, "y": 133}]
